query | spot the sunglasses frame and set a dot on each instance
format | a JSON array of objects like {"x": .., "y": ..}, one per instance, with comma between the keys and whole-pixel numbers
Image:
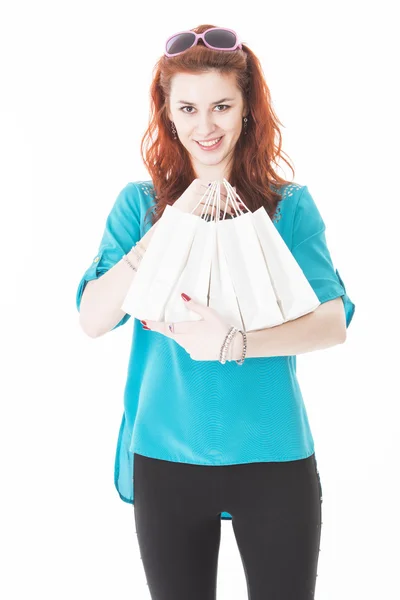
[{"x": 201, "y": 36}]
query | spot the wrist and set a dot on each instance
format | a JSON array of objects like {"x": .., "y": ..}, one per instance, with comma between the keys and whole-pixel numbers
[{"x": 133, "y": 257}]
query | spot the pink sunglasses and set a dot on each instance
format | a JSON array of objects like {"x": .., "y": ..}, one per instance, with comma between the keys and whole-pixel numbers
[{"x": 216, "y": 38}]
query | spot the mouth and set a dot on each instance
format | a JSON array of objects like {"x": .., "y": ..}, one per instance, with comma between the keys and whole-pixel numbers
[{"x": 210, "y": 144}]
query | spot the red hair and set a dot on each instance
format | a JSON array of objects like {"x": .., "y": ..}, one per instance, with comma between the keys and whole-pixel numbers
[{"x": 255, "y": 154}]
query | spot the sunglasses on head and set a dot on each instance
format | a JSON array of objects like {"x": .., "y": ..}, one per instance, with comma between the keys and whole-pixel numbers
[{"x": 216, "y": 38}]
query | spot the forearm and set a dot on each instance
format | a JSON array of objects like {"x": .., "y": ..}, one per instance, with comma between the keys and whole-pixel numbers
[
  {"x": 317, "y": 330},
  {"x": 100, "y": 308}
]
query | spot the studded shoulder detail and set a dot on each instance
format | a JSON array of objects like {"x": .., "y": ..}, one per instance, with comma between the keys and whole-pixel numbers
[
  {"x": 290, "y": 189},
  {"x": 147, "y": 188},
  {"x": 287, "y": 191},
  {"x": 277, "y": 215}
]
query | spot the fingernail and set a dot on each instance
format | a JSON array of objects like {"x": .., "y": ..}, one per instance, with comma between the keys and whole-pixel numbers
[
  {"x": 185, "y": 297},
  {"x": 144, "y": 327},
  {"x": 143, "y": 323}
]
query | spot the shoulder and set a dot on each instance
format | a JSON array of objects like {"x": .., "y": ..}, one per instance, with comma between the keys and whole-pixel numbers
[
  {"x": 286, "y": 207},
  {"x": 135, "y": 195},
  {"x": 305, "y": 208},
  {"x": 135, "y": 189},
  {"x": 145, "y": 187},
  {"x": 296, "y": 213},
  {"x": 290, "y": 194},
  {"x": 297, "y": 200},
  {"x": 291, "y": 190},
  {"x": 293, "y": 194}
]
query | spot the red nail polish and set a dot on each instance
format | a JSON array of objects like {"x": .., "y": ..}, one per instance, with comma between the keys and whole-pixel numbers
[
  {"x": 144, "y": 327},
  {"x": 143, "y": 323},
  {"x": 185, "y": 297}
]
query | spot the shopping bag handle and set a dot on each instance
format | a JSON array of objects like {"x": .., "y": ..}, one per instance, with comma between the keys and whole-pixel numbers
[{"x": 213, "y": 193}]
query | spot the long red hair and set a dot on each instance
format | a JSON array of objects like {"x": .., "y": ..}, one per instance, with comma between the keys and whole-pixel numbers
[{"x": 255, "y": 154}]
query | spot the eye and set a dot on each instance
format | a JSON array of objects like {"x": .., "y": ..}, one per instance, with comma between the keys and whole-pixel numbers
[{"x": 190, "y": 113}]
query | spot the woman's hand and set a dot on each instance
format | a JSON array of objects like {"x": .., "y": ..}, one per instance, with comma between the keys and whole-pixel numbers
[{"x": 203, "y": 339}]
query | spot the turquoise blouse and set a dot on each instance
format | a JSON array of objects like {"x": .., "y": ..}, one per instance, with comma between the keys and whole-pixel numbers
[{"x": 203, "y": 412}]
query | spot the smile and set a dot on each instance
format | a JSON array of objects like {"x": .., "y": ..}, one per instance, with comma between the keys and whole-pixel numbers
[{"x": 211, "y": 144}]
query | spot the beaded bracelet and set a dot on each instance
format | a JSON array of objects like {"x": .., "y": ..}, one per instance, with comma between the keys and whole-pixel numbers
[
  {"x": 241, "y": 361},
  {"x": 228, "y": 339},
  {"x": 140, "y": 256},
  {"x": 126, "y": 259},
  {"x": 224, "y": 348}
]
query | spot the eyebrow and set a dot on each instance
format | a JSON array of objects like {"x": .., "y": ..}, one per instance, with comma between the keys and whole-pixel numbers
[{"x": 218, "y": 102}]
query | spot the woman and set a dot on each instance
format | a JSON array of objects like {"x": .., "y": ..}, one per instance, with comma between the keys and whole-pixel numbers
[{"x": 203, "y": 439}]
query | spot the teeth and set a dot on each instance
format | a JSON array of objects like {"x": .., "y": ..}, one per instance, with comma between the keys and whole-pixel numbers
[{"x": 209, "y": 143}]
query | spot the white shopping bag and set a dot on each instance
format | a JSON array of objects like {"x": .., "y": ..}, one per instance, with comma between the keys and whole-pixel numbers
[
  {"x": 177, "y": 260},
  {"x": 248, "y": 270},
  {"x": 293, "y": 291},
  {"x": 161, "y": 265},
  {"x": 249, "y": 273},
  {"x": 194, "y": 279},
  {"x": 293, "y": 294},
  {"x": 222, "y": 296}
]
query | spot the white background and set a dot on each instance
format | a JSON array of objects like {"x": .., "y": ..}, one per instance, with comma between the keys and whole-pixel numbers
[{"x": 73, "y": 108}]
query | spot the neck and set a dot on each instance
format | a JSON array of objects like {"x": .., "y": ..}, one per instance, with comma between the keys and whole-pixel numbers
[{"x": 213, "y": 172}]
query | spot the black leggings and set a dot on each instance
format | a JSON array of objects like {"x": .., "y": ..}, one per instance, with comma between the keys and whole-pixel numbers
[{"x": 276, "y": 510}]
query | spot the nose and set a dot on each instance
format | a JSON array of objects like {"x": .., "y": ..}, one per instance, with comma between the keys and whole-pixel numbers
[{"x": 205, "y": 127}]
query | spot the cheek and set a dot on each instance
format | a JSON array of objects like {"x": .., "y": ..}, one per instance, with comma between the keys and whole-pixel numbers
[
  {"x": 184, "y": 128},
  {"x": 234, "y": 133},
  {"x": 234, "y": 127}
]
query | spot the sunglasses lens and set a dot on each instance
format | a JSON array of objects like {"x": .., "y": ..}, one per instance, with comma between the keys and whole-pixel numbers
[
  {"x": 180, "y": 42},
  {"x": 220, "y": 38}
]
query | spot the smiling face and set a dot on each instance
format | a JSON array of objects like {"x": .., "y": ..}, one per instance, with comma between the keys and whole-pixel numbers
[{"x": 206, "y": 107}]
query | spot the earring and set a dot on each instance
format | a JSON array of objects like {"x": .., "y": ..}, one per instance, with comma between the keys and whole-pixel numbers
[
  {"x": 245, "y": 125},
  {"x": 173, "y": 130}
]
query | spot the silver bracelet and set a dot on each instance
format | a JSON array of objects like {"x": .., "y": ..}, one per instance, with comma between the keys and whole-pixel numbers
[
  {"x": 136, "y": 251},
  {"x": 126, "y": 259},
  {"x": 224, "y": 348},
  {"x": 228, "y": 340},
  {"x": 241, "y": 361}
]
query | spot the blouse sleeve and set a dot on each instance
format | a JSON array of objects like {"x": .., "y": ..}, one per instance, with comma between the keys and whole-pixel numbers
[
  {"x": 309, "y": 248},
  {"x": 121, "y": 232}
]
